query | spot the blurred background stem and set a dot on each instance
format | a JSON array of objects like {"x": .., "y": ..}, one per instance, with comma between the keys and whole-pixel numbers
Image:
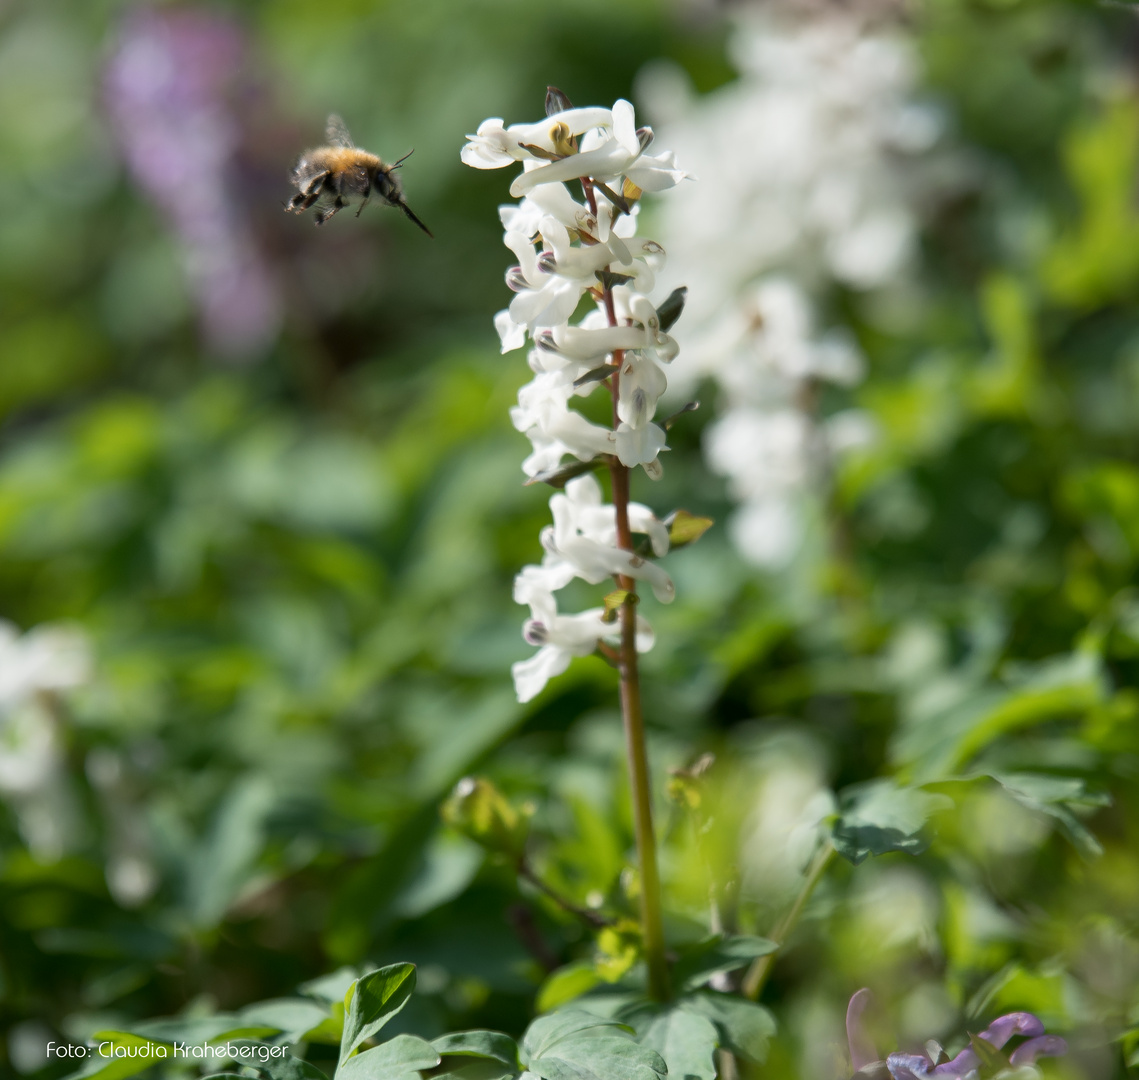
[{"x": 761, "y": 968}]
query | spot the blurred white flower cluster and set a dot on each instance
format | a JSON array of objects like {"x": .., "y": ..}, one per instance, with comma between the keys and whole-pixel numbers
[
  {"x": 812, "y": 169},
  {"x": 790, "y": 801},
  {"x": 565, "y": 249},
  {"x": 33, "y": 668}
]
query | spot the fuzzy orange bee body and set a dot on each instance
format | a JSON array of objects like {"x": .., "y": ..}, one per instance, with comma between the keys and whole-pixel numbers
[{"x": 337, "y": 174}]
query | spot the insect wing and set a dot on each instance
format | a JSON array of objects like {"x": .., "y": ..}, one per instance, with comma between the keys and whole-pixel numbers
[{"x": 336, "y": 132}]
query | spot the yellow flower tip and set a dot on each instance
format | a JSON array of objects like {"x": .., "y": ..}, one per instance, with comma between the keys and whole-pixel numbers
[{"x": 563, "y": 141}]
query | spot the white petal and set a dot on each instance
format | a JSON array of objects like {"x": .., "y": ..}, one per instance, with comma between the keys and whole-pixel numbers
[
  {"x": 531, "y": 676},
  {"x": 645, "y": 639},
  {"x": 659, "y": 581},
  {"x": 636, "y": 446},
  {"x": 655, "y": 173},
  {"x": 583, "y": 491},
  {"x": 643, "y": 520},
  {"x": 625, "y": 127},
  {"x": 606, "y": 161},
  {"x": 510, "y": 333}
]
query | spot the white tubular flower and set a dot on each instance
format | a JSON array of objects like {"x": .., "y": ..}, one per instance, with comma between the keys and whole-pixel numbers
[
  {"x": 544, "y": 416},
  {"x": 615, "y": 151},
  {"x": 510, "y": 333},
  {"x": 561, "y": 637},
  {"x": 642, "y": 383},
  {"x": 640, "y": 446},
  {"x": 564, "y": 250},
  {"x": 495, "y": 146},
  {"x": 584, "y": 534}
]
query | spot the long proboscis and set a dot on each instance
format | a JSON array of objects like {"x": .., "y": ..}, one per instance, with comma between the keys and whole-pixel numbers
[{"x": 408, "y": 211}]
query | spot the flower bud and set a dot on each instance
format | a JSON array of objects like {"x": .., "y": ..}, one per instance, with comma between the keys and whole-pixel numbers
[{"x": 479, "y": 810}]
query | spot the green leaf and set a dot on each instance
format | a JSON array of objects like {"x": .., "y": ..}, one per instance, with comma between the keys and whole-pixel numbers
[
  {"x": 1054, "y": 796},
  {"x": 372, "y": 1001},
  {"x": 717, "y": 954},
  {"x": 942, "y": 741},
  {"x": 281, "y": 1065},
  {"x": 548, "y": 1031},
  {"x": 563, "y": 474},
  {"x": 594, "y": 375},
  {"x": 574, "y": 1045},
  {"x": 606, "y": 1057},
  {"x": 567, "y": 983},
  {"x": 198, "y": 1029},
  {"x": 450, "y": 863},
  {"x": 402, "y": 1056},
  {"x": 462, "y": 1067},
  {"x": 670, "y": 310},
  {"x": 332, "y": 988},
  {"x": 1005, "y": 385},
  {"x": 614, "y": 601},
  {"x": 294, "y": 1017},
  {"x": 1130, "y": 1042},
  {"x": 686, "y": 1041},
  {"x": 746, "y": 1028},
  {"x": 991, "y": 1059},
  {"x": 225, "y": 859},
  {"x": 329, "y": 1031},
  {"x": 1014, "y": 987},
  {"x": 1097, "y": 258},
  {"x": 879, "y": 816},
  {"x": 487, "y": 1044},
  {"x": 685, "y": 528}
]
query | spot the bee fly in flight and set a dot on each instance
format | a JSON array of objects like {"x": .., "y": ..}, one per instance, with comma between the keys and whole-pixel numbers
[{"x": 340, "y": 172}]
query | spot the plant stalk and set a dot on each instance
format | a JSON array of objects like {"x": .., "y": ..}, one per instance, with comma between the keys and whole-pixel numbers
[
  {"x": 631, "y": 713},
  {"x": 761, "y": 967},
  {"x": 652, "y": 923},
  {"x": 593, "y": 918}
]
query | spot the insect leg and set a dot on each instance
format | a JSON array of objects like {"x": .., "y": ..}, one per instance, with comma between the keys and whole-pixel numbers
[
  {"x": 367, "y": 196},
  {"x": 304, "y": 199},
  {"x": 329, "y": 211}
]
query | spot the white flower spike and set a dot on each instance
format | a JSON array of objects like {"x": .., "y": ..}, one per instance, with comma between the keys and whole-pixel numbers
[{"x": 566, "y": 249}]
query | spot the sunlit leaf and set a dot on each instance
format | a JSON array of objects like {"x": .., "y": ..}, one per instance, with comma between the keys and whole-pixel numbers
[
  {"x": 399, "y": 1057},
  {"x": 698, "y": 963},
  {"x": 880, "y": 817},
  {"x": 745, "y": 1027},
  {"x": 686, "y": 1040},
  {"x": 372, "y": 1001}
]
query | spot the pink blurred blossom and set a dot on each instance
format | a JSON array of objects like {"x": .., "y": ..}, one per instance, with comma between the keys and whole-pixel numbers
[{"x": 167, "y": 85}]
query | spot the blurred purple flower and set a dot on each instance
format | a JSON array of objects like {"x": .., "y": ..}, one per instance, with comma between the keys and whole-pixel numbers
[
  {"x": 966, "y": 1065},
  {"x": 167, "y": 83}
]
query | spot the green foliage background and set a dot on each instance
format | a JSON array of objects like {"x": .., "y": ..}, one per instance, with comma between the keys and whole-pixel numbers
[{"x": 296, "y": 571}]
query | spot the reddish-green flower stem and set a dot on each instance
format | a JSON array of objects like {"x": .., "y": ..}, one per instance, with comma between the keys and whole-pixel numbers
[{"x": 641, "y": 788}]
